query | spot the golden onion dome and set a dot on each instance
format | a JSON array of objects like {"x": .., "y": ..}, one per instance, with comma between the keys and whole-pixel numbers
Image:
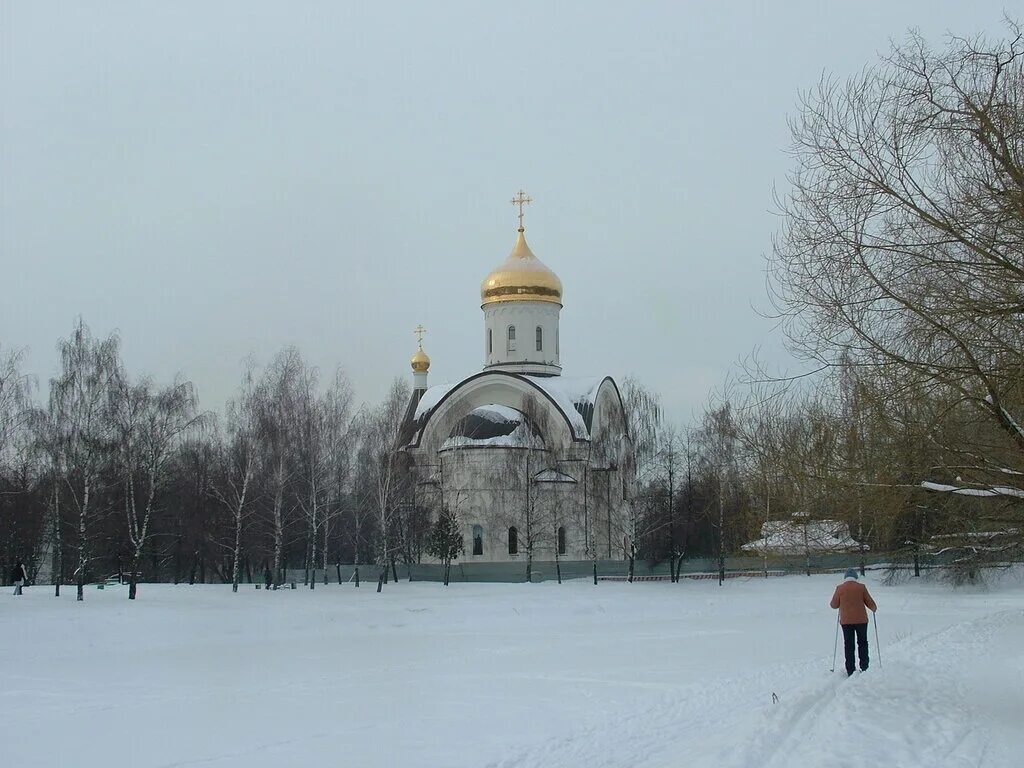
[
  {"x": 420, "y": 361},
  {"x": 521, "y": 277}
]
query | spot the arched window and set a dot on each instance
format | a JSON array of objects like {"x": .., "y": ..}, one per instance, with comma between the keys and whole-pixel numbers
[
  {"x": 490, "y": 342},
  {"x": 561, "y": 539},
  {"x": 513, "y": 541},
  {"x": 511, "y": 338},
  {"x": 478, "y": 540},
  {"x": 540, "y": 338}
]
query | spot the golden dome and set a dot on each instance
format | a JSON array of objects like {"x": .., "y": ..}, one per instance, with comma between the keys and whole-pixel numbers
[
  {"x": 420, "y": 362},
  {"x": 521, "y": 277}
]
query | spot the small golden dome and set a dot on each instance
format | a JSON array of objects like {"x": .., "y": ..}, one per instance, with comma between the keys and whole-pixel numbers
[
  {"x": 420, "y": 362},
  {"x": 521, "y": 277}
]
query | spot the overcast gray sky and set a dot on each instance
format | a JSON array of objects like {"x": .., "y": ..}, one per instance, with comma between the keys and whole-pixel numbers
[{"x": 215, "y": 180}]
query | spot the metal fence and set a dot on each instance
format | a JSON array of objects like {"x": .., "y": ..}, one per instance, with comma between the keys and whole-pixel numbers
[{"x": 607, "y": 570}]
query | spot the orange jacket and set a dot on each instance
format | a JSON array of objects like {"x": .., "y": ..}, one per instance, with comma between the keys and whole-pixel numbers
[{"x": 851, "y": 598}]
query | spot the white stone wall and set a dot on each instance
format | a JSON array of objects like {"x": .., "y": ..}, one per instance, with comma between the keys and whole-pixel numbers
[
  {"x": 486, "y": 485},
  {"x": 525, "y": 316}
]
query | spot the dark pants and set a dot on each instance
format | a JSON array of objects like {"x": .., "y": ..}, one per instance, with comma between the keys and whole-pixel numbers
[{"x": 861, "y": 631}]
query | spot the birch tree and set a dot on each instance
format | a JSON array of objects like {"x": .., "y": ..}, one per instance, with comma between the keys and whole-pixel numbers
[
  {"x": 382, "y": 429},
  {"x": 147, "y": 425},
  {"x": 239, "y": 461},
  {"x": 275, "y": 402},
  {"x": 79, "y": 413}
]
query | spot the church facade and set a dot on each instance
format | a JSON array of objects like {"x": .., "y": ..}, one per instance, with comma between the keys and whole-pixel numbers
[{"x": 536, "y": 465}]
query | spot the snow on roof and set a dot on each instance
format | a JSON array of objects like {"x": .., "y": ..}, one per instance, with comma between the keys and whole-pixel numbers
[
  {"x": 789, "y": 537},
  {"x": 497, "y": 413},
  {"x": 574, "y": 396},
  {"x": 431, "y": 398},
  {"x": 520, "y": 437},
  {"x": 995, "y": 490}
]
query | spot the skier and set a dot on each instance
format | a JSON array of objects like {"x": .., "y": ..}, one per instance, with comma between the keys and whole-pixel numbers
[
  {"x": 852, "y": 599},
  {"x": 19, "y": 576}
]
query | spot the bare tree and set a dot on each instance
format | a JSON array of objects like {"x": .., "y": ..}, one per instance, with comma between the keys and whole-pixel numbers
[
  {"x": 147, "y": 427},
  {"x": 79, "y": 413},
  {"x": 526, "y": 457},
  {"x": 275, "y": 403},
  {"x": 239, "y": 461},
  {"x": 901, "y": 248},
  {"x": 322, "y": 429},
  {"x": 381, "y": 435}
]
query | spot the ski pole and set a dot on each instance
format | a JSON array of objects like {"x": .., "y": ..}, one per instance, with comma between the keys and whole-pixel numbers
[
  {"x": 835, "y": 646},
  {"x": 878, "y": 648}
]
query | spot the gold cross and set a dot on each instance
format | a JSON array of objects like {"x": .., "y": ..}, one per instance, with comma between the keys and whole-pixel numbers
[
  {"x": 420, "y": 330},
  {"x": 521, "y": 199}
]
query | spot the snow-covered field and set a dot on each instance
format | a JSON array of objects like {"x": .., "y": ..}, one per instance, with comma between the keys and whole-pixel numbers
[{"x": 509, "y": 675}]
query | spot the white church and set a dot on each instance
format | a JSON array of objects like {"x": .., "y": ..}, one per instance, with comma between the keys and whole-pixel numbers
[{"x": 532, "y": 462}]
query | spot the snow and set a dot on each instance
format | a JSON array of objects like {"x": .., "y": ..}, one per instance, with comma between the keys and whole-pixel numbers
[
  {"x": 520, "y": 437},
  {"x": 430, "y": 399},
  {"x": 788, "y": 537},
  {"x": 996, "y": 490},
  {"x": 572, "y": 675},
  {"x": 497, "y": 413},
  {"x": 566, "y": 393}
]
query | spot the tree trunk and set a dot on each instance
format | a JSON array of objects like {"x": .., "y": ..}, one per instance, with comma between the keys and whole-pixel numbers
[
  {"x": 278, "y": 539},
  {"x": 58, "y": 552},
  {"x": 394, "y": 569},
  {"x": 595, "y": 571},
  {"x": 632, "y": 561},
  {"x": 236, "y": 557},
  {"x": 357, "y": 574},
  {"x": 381, "y": 577},
  {"x": 81, "y": 544},
  {"x": 133, "y": 577}
]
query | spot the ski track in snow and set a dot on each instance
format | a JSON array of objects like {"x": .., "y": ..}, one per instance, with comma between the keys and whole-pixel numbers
[
  {"x": 854, "y": 716},
  {"x": 851, "y": 715}
]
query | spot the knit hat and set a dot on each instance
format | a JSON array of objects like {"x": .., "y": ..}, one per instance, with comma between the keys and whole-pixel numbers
[{"x": 851, "y": 573}]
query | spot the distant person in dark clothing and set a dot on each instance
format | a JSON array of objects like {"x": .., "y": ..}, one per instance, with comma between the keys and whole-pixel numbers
[
  {"x": 853, "y": 601},
  {"x": 19, "y": 576},
  {"x": 268, "y": 577}
]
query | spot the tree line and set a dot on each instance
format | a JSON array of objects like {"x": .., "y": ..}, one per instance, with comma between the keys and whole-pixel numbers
[{"x": 115, "y": 474}]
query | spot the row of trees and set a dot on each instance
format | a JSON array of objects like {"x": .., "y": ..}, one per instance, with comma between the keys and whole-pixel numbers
[{"x": 116, "y": 474}]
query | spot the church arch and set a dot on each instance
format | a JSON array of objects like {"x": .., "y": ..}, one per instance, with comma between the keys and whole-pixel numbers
[
  {"x": 496, "y": 387},
  {"x": 513, "y": 540},
  {"x": 478, "y": 540}
]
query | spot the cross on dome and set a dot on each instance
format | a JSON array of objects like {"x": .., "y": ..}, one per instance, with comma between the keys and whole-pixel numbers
[
  {"x": 521, "y": 199},
  {"x": 419, "y": 331}
]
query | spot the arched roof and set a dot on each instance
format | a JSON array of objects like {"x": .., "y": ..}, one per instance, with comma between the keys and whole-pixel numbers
[{"x": 571, "y": 400}]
